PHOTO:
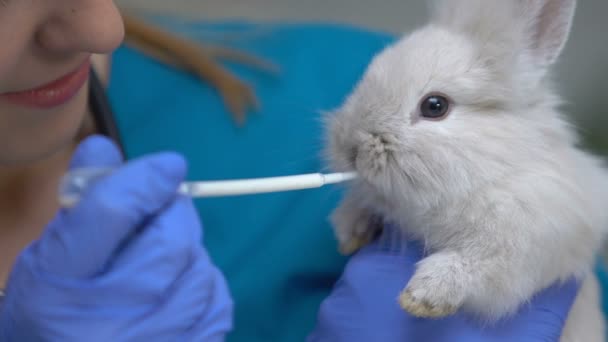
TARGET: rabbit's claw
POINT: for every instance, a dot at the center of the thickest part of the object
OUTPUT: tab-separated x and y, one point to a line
420	307
438	288
352	245
354	228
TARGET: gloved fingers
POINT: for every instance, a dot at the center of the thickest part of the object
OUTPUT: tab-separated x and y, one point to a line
139	279
204	290
81	240
547	312
96	151
183	223
543	317
217	320
393	241
196	303
366	294
559	297
160	252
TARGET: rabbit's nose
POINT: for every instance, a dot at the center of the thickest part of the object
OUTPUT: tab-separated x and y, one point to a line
373	153
376	145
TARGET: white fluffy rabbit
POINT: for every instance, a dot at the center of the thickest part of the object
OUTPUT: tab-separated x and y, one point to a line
456	136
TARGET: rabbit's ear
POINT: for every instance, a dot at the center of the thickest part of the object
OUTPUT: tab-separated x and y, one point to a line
548	26
538	27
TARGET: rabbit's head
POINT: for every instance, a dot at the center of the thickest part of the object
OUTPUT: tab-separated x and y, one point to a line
462	100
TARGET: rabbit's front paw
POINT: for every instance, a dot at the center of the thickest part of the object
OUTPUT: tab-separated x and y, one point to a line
438	288
354	228
419	306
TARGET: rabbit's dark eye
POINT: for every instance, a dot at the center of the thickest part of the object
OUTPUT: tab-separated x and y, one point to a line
434	107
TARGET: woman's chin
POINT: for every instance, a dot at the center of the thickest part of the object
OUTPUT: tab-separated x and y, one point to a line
26	157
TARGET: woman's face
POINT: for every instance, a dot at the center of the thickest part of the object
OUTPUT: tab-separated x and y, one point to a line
45	48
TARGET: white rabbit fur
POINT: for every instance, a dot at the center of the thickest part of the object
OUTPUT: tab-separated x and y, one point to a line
499	191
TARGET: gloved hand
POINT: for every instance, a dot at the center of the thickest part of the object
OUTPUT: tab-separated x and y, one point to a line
363	305
125	264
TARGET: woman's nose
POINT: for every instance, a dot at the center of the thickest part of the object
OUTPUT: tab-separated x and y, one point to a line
92	26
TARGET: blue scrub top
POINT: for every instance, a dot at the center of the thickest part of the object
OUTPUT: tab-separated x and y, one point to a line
276	250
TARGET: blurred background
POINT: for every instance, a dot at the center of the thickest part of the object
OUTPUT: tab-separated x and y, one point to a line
581	73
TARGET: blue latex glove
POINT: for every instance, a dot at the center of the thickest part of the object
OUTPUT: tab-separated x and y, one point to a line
125	264
363	305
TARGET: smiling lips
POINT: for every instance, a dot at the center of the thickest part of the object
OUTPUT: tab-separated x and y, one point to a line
52	94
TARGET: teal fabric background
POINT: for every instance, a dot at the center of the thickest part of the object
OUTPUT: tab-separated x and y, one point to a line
276	250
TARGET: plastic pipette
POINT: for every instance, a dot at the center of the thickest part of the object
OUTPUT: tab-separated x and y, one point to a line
76	182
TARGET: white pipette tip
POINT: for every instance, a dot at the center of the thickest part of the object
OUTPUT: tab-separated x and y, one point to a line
76	182
262	185
333	178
